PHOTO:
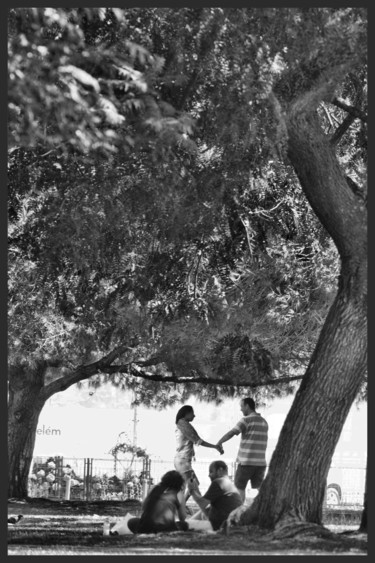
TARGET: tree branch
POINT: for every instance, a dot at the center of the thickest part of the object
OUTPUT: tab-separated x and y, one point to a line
103	366
353	111
82	372
341	129
132	369
321	176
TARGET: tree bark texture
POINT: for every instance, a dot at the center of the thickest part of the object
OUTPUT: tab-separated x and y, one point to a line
24	408
299	466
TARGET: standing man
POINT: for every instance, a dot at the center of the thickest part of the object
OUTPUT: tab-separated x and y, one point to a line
251	456
221	497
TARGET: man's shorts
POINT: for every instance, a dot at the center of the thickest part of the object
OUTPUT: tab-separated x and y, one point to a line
183	466
253	473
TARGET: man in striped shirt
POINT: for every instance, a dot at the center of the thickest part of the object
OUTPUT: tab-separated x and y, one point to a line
251	458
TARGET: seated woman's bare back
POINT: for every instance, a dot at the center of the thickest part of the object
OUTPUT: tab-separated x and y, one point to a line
163	516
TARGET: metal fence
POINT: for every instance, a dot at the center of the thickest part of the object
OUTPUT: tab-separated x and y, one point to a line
89	479
131	478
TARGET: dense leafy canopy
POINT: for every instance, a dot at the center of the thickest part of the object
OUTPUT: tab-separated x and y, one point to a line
148	204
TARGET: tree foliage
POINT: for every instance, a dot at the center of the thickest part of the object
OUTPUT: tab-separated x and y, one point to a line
176	233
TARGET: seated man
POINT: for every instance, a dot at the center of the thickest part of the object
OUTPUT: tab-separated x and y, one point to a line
221	498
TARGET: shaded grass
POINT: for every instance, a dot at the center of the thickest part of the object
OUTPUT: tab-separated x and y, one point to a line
81	536
65	527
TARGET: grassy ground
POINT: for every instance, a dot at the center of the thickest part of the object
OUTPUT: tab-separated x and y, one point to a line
76	528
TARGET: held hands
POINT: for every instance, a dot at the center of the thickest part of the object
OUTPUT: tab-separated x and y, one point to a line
220	449
192	485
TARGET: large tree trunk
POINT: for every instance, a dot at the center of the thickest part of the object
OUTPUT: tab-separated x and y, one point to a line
25	405
299	466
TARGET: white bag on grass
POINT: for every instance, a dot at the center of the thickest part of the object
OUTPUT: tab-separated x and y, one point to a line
121	526
199	521
202	525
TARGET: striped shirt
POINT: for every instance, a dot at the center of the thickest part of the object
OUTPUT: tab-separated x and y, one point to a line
254	436
186	437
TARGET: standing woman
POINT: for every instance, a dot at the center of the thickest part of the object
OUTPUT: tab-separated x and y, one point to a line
186	437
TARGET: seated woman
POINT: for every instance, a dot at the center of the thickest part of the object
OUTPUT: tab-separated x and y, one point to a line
161	507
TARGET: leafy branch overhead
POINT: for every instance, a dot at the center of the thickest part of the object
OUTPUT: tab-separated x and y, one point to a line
150	210
76	71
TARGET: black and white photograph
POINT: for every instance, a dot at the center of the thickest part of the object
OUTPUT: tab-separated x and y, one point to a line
187	280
